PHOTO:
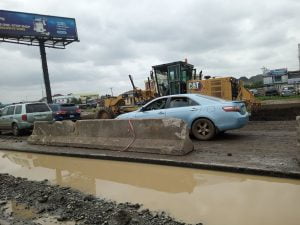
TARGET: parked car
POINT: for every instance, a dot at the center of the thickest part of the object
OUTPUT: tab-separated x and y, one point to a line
65	112
205	116
254	92
288	91
272	92
20	117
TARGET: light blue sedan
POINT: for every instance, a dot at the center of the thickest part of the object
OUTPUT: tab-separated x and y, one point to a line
205	116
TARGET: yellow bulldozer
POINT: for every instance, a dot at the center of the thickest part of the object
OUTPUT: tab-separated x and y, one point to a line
112	106
181	77
177	77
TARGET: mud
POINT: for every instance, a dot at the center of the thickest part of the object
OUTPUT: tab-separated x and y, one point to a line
262	147
65	204
276	112
189	195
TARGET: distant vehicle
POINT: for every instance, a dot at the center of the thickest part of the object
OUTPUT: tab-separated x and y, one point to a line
65	112
205	115
92	103
288	91
20	117
272	92
254	92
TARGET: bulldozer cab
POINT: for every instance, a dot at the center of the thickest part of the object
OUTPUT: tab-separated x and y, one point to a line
172	78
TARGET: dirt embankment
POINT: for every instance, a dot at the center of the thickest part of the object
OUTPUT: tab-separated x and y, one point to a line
42	200
276	112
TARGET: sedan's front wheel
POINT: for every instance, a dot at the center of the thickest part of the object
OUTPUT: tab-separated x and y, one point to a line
203	129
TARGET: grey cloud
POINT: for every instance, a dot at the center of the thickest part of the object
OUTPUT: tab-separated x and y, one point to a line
118	38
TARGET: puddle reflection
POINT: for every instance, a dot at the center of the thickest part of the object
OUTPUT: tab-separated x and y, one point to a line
190	195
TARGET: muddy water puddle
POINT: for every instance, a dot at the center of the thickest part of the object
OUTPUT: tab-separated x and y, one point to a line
190	195
22	212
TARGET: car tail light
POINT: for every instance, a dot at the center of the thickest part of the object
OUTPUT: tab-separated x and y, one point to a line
231	109
24	117
78	110
61	112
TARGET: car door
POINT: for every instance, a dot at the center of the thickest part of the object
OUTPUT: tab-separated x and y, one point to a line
155	109
183	108
3	124
6	120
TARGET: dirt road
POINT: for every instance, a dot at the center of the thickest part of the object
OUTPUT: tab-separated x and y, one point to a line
267	148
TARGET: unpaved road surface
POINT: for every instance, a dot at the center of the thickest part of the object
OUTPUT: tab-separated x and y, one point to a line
40	201
267	148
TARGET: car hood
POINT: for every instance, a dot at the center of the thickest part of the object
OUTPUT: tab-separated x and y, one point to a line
129	115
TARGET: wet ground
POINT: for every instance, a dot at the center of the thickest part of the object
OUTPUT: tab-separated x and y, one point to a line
188	195
262	147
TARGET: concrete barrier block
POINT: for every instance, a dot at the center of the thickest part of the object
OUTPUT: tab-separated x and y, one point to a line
161	136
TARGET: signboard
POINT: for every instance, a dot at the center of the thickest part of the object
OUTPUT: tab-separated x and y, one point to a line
24	25
278	72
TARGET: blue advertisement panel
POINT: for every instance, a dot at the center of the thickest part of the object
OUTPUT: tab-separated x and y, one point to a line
18	24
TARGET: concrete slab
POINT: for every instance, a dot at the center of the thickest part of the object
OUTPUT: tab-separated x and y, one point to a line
159	136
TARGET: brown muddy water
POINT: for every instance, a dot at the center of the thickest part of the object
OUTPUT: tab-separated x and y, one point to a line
189	195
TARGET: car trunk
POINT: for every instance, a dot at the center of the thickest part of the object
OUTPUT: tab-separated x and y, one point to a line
38	112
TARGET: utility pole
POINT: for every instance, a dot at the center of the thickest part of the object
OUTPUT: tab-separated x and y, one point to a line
45	71
111	91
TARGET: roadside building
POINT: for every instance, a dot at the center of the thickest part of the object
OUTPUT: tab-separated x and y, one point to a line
85	97
280	78
294	77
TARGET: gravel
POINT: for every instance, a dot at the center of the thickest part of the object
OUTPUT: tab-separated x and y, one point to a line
64	204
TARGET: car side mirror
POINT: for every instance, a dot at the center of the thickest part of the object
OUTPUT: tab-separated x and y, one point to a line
143	109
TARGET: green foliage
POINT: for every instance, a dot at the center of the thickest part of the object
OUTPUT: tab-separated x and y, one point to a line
263	98
257	84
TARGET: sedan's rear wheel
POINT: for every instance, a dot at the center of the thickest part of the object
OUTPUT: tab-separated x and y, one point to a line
203	129
15	129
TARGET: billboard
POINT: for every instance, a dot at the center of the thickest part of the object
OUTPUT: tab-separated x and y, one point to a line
20	25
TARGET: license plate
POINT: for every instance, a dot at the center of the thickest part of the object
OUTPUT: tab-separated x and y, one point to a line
71	116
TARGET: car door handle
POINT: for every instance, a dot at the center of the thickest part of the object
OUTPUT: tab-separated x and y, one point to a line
161	113
193	109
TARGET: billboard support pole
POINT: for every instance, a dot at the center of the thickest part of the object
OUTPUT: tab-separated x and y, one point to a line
45	71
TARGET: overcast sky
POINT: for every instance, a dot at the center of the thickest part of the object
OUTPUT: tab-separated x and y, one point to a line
119	37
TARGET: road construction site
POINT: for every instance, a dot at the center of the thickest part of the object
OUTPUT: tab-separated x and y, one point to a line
66	173
262	147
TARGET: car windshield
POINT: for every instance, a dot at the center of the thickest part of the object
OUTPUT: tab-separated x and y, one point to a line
37	107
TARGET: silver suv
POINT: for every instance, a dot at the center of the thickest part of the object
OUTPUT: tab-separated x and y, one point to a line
20	117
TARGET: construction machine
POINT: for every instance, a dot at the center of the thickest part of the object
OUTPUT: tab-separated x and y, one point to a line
181	77
112	106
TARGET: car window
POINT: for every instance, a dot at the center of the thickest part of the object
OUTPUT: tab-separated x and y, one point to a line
37	107
158	104
10	110
181	102
4	111
54	108
18	109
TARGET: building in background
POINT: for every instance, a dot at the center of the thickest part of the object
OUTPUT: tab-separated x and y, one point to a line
275	77
280	78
